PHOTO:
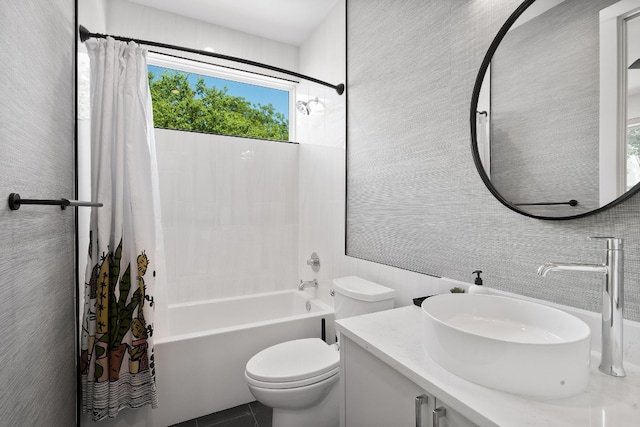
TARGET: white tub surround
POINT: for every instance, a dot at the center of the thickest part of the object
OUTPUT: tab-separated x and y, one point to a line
196	319
394	337
229	215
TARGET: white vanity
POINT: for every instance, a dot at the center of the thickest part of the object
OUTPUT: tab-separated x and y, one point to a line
378	395
386	375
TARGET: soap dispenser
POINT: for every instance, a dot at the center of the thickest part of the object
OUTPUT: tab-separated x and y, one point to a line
477	287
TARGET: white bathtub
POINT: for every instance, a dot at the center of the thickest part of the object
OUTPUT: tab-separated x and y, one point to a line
200	365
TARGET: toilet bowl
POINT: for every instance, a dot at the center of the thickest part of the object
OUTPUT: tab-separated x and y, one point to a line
299	378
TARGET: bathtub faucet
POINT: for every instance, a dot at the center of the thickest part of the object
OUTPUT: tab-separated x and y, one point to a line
307	284
612	301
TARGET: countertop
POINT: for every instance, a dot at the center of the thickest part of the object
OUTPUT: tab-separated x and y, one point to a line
395	337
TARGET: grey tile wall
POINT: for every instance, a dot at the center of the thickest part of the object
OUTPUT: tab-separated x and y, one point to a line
37	307
414	199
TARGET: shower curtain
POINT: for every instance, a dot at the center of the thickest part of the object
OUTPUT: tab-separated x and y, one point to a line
125	252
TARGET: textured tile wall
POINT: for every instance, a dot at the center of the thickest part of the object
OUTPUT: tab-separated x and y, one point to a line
37	326
414	198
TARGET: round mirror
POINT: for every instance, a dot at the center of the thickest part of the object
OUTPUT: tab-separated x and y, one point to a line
555	111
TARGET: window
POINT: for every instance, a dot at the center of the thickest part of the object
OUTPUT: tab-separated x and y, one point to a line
197	97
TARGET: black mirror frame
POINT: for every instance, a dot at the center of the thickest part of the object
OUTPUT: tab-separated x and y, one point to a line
474	141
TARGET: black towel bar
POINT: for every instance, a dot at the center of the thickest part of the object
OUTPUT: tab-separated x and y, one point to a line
15	202
570	203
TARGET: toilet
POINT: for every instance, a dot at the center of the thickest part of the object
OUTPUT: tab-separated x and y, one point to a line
299	378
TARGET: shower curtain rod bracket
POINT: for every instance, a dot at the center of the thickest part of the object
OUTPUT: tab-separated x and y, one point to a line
85	35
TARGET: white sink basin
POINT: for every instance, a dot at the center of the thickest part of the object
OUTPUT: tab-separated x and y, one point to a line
508	344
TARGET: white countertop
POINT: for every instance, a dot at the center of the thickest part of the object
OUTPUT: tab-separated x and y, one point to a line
395	337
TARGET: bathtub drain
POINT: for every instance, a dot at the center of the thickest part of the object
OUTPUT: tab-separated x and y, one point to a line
308	305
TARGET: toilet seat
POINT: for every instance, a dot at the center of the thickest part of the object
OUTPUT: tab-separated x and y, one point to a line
291	384
293	364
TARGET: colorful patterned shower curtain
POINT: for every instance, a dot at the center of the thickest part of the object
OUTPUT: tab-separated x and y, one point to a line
117	360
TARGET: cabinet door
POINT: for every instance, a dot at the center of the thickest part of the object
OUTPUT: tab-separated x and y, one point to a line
376	395
449	417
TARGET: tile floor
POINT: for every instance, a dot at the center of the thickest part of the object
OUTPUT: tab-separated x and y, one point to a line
254	414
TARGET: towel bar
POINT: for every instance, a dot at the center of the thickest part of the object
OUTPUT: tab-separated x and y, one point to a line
15	202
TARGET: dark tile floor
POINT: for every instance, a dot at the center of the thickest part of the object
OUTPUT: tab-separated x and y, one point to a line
254	414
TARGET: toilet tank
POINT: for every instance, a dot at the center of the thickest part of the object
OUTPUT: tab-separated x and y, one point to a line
355	296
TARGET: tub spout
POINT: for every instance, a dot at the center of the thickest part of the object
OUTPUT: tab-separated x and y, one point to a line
612	302
307	284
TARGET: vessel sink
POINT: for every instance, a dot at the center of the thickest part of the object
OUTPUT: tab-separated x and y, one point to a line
508	344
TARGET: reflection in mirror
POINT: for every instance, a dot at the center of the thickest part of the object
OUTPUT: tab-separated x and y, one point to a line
633	101
543	146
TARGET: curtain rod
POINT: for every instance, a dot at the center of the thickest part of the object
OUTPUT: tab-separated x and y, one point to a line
228	67
85	35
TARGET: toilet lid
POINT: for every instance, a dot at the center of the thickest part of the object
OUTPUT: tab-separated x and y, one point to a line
293	361
328	377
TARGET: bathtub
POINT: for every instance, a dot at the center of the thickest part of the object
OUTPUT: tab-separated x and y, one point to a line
200	365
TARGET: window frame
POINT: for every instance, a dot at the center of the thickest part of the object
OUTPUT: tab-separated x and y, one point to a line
210	70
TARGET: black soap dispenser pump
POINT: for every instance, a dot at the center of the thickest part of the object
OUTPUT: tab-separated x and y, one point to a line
477	287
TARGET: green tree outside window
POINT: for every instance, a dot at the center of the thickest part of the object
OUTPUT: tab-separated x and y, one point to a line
181	105
633	141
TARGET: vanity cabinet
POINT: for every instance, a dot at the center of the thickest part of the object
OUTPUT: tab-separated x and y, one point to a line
376	395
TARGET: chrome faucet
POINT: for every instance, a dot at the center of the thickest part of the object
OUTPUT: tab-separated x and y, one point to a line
307	284
612	301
